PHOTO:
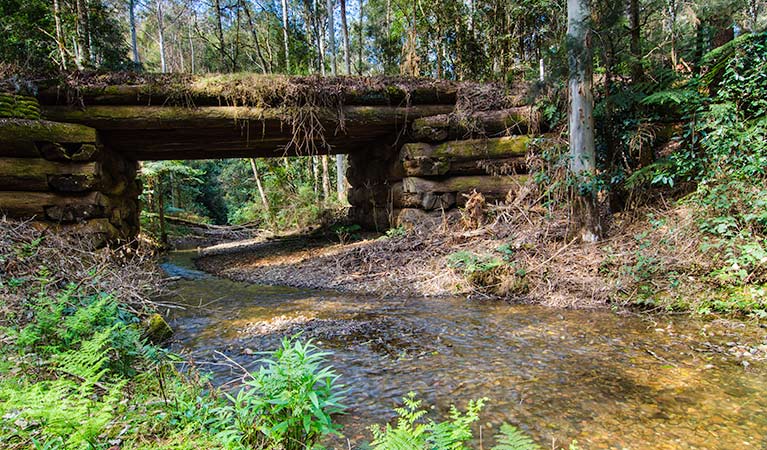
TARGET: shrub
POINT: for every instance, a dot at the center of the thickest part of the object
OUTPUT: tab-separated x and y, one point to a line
289	403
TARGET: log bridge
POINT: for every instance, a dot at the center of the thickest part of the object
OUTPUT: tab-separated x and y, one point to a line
69	159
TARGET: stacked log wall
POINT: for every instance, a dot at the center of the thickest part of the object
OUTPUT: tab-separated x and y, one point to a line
436	174
59	175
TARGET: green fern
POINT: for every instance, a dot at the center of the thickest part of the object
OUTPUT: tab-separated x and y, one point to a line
512	438
75	407
412	433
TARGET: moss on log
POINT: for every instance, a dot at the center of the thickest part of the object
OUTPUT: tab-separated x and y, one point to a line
246	89
512	121
471	149
156	329
32	174
16	130
495	185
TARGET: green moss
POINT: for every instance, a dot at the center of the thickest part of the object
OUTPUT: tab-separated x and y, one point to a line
20	130
157	329
483	148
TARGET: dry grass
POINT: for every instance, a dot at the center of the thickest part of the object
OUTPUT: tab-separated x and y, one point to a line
44	260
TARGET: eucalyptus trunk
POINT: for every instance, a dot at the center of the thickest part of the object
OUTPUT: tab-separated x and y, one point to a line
220	35
345	30
332	38
133	40
82	31
161	36
325	178
581	119
359	54
59	35
285	40
260	186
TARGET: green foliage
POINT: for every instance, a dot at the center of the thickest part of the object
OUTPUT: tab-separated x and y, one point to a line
396	232
74	408
347	233
289	403
471	263
414	432
512	438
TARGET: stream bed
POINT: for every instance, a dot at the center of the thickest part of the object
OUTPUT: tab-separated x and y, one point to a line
606	379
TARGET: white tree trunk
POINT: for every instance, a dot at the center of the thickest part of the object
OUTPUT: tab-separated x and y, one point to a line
285	34
332	37
133	40
341	177
325	178
581	119
345	30
261	192
60	34
161	36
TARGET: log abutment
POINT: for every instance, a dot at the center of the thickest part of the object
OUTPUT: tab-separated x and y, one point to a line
61	176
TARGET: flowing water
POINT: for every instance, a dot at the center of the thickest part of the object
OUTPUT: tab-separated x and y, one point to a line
607	380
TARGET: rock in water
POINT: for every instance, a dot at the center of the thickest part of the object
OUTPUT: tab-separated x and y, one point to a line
157	329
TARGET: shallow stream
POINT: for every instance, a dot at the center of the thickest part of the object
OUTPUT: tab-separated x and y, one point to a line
606	379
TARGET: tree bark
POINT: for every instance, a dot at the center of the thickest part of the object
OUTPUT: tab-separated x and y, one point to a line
161	36
81	35
316	176
341	177
325	178
261	192
332	37
345	30
285	39
359	55
161	210
59	35
581	119
265	68
191	47
220	34
133	40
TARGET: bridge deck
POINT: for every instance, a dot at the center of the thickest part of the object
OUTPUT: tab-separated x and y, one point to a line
184	117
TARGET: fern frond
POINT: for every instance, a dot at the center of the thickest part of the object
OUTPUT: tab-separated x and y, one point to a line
512	438
89	361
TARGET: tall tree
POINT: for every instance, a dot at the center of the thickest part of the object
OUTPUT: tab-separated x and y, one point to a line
345	30
220	35
257	177
161	36
285	39
581	118
360	45
133	40
59	35
332	37
82	35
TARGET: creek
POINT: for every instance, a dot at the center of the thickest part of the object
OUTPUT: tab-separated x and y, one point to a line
607	379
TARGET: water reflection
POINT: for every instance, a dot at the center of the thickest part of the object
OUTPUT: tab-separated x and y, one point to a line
607	380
